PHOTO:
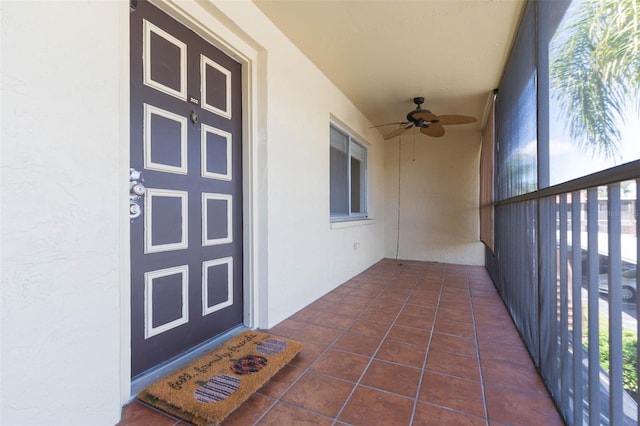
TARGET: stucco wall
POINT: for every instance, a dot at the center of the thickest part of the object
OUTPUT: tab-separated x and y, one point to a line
439	192
60	232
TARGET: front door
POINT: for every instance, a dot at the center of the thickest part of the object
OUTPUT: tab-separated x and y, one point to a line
186	189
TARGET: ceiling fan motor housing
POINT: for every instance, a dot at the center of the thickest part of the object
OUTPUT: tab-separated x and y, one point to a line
411	115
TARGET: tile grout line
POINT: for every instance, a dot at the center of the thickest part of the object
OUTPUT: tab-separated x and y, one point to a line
475	340
157	410
424	362
342	333
297	407
307	369
371	359
279	399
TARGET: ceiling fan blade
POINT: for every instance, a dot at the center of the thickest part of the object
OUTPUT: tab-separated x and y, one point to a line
426	116
434	130
389	124
397	132
455	119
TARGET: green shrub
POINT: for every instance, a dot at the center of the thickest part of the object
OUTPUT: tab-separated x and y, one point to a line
629	359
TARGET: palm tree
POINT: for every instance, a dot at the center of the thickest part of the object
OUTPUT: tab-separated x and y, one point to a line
595	71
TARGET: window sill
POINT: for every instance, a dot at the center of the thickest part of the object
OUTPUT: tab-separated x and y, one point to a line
347	223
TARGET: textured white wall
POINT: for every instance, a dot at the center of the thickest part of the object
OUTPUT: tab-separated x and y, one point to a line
439	195
60	195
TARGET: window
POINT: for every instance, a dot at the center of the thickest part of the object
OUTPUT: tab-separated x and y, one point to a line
593	76
515	114
348	177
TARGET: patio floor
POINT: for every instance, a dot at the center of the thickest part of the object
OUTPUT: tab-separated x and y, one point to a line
402	343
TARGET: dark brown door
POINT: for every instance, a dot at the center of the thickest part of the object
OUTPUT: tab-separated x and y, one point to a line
186	190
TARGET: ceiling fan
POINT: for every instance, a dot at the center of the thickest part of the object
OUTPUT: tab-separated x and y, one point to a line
429	123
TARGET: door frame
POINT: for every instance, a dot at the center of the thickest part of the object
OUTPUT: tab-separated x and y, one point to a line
252	58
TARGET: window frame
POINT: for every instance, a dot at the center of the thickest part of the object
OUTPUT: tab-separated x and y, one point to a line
364	173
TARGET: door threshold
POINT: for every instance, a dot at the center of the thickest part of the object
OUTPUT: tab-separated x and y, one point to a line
139	383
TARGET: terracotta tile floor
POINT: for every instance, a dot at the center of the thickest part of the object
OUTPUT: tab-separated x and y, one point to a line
413	343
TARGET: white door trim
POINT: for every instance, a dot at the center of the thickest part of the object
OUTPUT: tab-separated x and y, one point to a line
203	22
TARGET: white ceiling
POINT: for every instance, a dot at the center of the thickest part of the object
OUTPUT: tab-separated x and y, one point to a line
382	54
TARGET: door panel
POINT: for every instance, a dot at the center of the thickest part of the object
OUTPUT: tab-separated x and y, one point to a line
186	244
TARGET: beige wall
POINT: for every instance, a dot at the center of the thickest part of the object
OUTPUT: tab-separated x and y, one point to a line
439	193
306	257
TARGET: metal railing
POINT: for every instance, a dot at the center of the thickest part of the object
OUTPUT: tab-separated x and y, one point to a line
563	275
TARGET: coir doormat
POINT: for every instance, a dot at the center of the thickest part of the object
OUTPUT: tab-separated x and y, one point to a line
210	388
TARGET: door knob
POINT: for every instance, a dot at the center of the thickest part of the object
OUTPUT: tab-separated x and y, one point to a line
138	189
134	210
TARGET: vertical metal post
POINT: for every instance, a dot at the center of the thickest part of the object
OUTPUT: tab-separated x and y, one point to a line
592	303
564	307
548	294
636	214
576	263
348	175
614	231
